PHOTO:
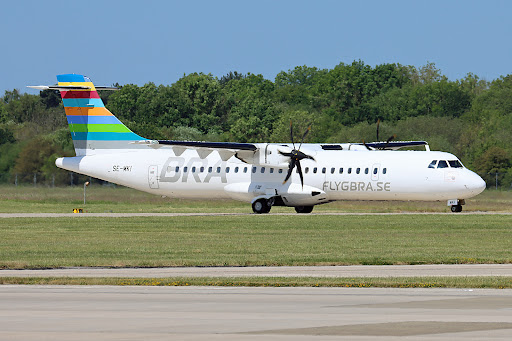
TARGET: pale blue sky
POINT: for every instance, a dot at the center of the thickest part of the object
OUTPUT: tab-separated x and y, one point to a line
159	41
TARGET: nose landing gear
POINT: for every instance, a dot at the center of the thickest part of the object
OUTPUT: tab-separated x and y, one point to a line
456	205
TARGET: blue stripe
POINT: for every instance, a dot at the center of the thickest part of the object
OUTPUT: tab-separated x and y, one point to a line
106	136
70	77
83	102
76	119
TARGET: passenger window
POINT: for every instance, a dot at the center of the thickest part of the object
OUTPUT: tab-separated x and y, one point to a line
193	169
442	164
262	170
227	169
455	164
432	164
280	171
236	169
323	170
314	170
349	171
254	169
177	169
332	170
185	169
366	171
375	170
202	169
341	170
384	171
218	169
245	169
306	170
271	170
358	170
210	169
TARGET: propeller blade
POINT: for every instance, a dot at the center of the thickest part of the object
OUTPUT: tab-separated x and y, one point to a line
378	123
285	153
290	169
304	136
291	133
364	143
391	138
299	169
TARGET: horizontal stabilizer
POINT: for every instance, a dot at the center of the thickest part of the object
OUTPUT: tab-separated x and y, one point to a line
70	87
59	87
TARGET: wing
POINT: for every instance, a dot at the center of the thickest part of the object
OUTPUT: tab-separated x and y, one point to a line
395	145
226	150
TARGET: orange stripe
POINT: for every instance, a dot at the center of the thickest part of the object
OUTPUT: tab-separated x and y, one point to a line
96	111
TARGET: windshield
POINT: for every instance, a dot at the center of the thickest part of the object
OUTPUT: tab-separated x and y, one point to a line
455	164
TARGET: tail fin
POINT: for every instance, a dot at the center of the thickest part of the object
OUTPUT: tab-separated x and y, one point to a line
93	128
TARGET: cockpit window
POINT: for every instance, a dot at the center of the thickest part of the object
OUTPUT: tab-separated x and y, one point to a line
442	164
432	164
455	163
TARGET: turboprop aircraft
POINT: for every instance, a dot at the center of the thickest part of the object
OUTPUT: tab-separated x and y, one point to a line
264	174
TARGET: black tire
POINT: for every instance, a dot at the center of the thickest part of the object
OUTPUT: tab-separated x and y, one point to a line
303	209
456	208
261	206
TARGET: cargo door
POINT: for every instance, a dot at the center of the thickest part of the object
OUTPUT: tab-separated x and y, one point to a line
153	177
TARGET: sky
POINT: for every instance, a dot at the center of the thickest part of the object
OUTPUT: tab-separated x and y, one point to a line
160	41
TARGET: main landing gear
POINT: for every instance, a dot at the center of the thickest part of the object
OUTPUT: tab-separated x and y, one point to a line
261	206
303	209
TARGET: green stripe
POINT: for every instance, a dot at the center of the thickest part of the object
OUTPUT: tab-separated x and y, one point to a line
99	128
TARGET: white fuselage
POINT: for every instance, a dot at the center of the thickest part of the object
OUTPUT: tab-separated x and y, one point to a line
333	175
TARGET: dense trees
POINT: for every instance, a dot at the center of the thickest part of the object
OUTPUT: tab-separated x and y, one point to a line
469	117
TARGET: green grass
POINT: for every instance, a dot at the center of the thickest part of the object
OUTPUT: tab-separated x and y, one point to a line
120	199
408	282
254	240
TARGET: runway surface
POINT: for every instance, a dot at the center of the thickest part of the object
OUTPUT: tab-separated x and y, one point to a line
127	215
437	270
221	313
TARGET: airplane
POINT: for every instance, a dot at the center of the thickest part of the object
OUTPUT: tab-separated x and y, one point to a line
264	174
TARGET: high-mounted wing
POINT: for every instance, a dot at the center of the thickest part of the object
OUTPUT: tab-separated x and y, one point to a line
394	145
225	149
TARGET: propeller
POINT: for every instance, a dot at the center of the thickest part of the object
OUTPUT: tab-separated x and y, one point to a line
295	156
391	138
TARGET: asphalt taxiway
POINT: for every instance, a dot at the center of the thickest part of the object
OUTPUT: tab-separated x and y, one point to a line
128	215
430	270
221	313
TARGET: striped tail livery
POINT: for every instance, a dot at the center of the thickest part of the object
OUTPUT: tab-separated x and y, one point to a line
93	127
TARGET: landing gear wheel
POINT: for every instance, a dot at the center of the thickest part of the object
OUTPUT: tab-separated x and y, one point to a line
303	209
456	208
261	206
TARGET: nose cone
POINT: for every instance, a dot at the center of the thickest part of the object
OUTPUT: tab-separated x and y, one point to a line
474	183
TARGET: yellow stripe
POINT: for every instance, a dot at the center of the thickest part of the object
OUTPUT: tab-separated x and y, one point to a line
96	111
89	84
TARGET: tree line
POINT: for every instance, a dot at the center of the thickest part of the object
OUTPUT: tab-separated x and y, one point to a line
469	117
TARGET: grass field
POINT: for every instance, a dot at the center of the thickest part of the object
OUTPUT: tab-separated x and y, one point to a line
120	199
254	240
412	282
248	239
